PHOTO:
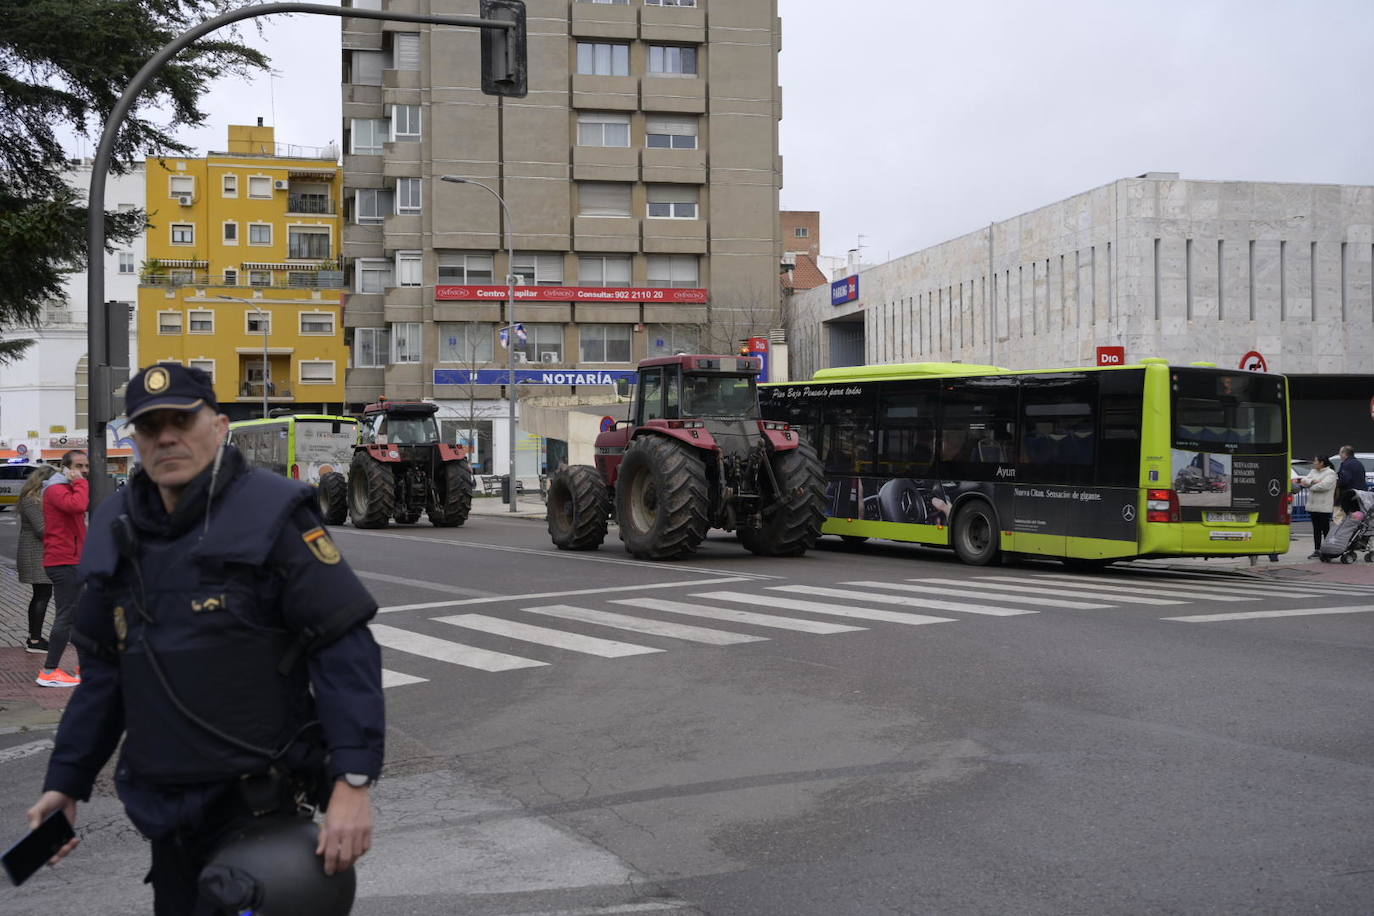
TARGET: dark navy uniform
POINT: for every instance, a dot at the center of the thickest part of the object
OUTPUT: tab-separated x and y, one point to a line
227	642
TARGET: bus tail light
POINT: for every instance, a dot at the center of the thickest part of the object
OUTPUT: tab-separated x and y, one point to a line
1286	509
1162	506
295	472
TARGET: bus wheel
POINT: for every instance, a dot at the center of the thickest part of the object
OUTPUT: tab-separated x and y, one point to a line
975	534
334	498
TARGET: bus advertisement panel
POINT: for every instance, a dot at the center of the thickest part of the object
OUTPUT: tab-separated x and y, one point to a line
1080	464
304	447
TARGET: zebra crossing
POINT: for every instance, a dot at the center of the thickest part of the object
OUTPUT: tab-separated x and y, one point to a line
738	616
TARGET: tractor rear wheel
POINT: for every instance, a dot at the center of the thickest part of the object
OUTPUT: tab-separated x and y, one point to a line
579	508
371	492
792	518
661	499
454	495
333	493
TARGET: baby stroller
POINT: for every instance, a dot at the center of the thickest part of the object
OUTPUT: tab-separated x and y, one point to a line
1355	533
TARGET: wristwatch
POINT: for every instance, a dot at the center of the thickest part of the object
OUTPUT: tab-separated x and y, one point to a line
358	780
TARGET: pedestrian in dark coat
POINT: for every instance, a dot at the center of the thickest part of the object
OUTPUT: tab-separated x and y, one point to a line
29	558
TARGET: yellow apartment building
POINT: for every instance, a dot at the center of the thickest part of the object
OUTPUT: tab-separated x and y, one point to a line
243	274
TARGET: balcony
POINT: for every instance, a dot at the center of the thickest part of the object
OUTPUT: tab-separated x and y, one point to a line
310	203
300	278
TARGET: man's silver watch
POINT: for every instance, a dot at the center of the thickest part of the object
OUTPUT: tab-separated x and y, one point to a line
357	780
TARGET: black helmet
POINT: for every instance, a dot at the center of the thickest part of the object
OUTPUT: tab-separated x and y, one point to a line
269	867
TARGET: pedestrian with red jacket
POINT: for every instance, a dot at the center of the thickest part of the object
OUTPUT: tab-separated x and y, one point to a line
66	499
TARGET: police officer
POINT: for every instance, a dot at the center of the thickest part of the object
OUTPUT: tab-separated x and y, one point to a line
224	638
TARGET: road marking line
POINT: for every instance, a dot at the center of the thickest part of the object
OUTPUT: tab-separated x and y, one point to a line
616	910
1256	615
445	651
902	600
430	586
559	639
816	607
815	627
645	625
1172	588
397	679
1013	585
20	751
460	602
975	609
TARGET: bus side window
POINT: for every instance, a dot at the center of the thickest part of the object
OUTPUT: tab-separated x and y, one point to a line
977	425
1120	406
906	431
1058	429
847	441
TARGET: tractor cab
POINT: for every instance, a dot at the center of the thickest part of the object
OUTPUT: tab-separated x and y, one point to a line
693	387
400	423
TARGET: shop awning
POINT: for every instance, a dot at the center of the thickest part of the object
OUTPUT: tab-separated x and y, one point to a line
268	265
312	173
183	262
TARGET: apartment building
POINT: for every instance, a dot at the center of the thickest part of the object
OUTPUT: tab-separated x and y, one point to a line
242	277
641	178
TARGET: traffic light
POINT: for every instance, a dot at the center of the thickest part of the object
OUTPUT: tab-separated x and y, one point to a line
505	53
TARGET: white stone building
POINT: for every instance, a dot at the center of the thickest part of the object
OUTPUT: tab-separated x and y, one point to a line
1187	270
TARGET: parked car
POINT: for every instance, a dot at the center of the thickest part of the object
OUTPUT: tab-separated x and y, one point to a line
1301	468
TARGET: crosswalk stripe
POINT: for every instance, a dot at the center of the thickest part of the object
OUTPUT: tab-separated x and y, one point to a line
816	607
644	625
1219	591
1256	615
903	600
445	651
975	609
397	679
559	639
1008	583
1116	587
1248	581
815	627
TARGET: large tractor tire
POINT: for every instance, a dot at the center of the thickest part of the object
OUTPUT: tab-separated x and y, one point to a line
453	490
661	499
975	535
579	508
792	519
333	493
371	492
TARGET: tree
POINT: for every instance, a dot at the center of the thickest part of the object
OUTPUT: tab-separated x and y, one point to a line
63	65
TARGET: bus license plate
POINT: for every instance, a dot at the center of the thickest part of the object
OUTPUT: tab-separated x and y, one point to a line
1230	535
1228	517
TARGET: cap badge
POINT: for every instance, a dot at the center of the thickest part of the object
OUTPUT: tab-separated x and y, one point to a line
156	380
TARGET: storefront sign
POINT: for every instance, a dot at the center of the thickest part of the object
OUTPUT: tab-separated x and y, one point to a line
846	290
67	442
1111	356
604	377
569	294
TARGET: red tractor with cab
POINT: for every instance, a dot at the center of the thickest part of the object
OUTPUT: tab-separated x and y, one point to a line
693	455
401	469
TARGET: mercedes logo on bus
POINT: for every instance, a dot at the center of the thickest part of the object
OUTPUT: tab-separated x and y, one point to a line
1128	512
1275	488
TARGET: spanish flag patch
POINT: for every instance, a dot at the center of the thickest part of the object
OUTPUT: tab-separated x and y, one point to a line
317	539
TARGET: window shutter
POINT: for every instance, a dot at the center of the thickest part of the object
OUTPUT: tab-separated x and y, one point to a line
670	124
406	46
367	67
672	194
604	198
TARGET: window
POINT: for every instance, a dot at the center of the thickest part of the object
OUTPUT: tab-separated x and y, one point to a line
464	269
405	121
1058	429
373	205
668	339
258	322
317	323
182	184
977	420
200	321
405	50
605	343
126	262
603	59
906	436
465	342
370	346
231	277
374	275
231	233
169	322
543	343
317	371
229	186
603	270
1120	394
307	242
204	365
182	277
673	270
650	394
405	342
666	3
538	269
801	232
597	128
260	187
673	201
603	198
407	195
367	136
259	278
367	68
409	268
671	132
667	60
260	233
183	234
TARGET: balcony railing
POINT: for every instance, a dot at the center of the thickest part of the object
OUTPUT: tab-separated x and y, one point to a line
293	279
275	393
309	203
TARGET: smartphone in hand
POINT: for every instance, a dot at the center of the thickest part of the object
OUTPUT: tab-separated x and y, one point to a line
24	858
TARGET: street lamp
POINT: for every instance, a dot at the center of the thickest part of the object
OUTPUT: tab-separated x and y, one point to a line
510	323
264	318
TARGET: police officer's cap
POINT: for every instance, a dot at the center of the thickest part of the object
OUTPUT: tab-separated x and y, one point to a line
169	386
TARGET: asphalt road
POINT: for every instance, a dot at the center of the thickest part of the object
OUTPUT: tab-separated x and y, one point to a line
872	730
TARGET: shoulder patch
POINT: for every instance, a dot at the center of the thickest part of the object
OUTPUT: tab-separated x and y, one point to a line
317	539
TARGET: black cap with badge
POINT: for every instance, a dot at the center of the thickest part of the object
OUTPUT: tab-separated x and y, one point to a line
169	386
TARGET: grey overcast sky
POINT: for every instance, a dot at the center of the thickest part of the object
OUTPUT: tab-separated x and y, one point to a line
914	122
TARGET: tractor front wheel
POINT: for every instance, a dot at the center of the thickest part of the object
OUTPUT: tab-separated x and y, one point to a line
371	492
661	499
579	508
453	495
792	518
333	492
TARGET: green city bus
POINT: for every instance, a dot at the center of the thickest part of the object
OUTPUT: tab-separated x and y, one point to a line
1087	465
303	447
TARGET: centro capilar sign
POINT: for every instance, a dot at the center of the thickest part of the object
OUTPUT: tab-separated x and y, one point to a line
846	290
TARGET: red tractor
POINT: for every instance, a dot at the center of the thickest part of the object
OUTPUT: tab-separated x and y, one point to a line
693	455
400	469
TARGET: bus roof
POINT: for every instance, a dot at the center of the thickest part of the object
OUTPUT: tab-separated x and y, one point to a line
239	424
968	370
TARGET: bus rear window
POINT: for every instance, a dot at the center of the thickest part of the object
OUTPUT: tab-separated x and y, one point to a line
1235	412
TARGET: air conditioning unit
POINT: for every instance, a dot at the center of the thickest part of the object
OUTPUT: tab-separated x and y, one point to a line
548	357
521	357
281	184
185	199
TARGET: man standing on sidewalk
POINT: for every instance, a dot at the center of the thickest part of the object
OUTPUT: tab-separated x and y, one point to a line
66	498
